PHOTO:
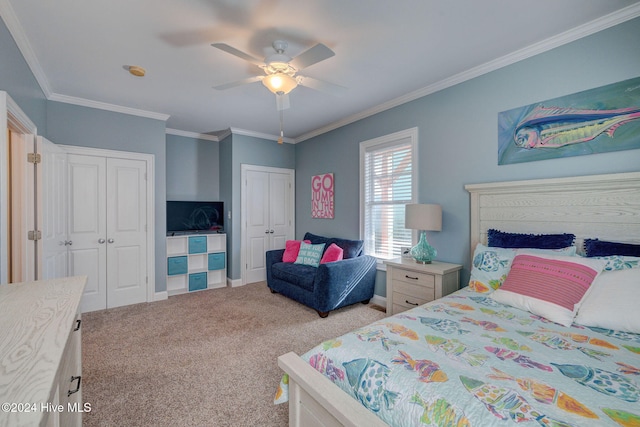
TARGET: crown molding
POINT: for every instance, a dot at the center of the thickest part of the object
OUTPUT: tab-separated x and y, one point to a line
607	21
193	135
237	131
106	106
15	28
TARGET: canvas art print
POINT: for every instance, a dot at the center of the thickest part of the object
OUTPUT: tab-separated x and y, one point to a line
322	196
594	121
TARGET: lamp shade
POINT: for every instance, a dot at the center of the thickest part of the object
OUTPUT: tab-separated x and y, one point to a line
280	83
423	217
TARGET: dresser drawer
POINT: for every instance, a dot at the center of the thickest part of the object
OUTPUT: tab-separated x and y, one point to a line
413	277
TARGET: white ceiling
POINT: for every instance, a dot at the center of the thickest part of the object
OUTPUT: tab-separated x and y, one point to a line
386	52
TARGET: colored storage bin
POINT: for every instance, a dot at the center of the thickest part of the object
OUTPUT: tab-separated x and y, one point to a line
217	261
176	265
197	281
197	244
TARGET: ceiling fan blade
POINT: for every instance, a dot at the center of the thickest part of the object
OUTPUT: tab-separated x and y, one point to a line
239	83
233	51
322	86
311	56
282	102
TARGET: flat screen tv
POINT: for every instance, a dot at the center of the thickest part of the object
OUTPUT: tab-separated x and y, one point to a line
194	217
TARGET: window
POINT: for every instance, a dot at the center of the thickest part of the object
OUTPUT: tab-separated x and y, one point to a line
387	184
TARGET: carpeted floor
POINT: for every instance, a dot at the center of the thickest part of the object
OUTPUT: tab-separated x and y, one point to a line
201	359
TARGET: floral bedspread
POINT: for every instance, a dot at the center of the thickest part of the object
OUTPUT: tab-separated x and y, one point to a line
467	360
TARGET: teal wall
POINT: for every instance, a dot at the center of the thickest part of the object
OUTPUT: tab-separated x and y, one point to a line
89	127
457	141
458	138
235	151
192	169
17	80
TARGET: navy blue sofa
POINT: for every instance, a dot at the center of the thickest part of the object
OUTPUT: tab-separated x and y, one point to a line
328	286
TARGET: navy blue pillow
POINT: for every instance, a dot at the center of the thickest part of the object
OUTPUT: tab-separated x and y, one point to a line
351	248
501	239
595	247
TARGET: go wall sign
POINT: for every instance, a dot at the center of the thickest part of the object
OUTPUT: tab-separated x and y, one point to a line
322	196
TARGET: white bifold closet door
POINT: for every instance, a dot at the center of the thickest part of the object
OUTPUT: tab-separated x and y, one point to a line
268	200
107	229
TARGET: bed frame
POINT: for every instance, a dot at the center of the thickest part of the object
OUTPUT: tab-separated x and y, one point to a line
597	206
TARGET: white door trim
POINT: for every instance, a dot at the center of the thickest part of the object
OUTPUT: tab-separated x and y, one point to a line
150	172
11	117
244	168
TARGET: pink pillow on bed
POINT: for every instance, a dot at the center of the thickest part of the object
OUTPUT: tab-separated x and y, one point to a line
549	286
291	250
332	254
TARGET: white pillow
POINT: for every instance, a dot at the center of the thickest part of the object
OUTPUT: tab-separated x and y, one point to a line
551	286
491	265
613	302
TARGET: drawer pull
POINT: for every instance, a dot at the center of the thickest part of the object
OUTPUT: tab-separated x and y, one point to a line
70	392
411	303
409	277
78	322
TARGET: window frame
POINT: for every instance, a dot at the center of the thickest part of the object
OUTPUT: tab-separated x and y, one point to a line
388	140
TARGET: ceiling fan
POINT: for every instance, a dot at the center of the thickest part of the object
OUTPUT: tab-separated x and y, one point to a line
280	71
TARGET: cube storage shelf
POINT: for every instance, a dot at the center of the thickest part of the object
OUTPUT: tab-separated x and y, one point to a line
196	262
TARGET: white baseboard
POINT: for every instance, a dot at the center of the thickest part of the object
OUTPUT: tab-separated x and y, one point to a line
234	282
378	300
159	296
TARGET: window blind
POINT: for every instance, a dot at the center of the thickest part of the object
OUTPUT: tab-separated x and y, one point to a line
388	180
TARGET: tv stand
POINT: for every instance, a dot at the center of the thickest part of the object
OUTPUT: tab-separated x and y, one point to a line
196	261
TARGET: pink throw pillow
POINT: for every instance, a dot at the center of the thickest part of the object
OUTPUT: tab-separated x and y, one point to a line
549	286
332	254
291	250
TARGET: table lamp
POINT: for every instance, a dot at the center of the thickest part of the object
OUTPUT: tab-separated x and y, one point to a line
423	217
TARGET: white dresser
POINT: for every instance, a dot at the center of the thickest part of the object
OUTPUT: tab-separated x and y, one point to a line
40	353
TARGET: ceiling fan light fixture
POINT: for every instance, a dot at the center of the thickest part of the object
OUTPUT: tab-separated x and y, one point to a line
280	83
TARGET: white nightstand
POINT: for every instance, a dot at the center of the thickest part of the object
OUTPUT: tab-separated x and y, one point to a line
410	284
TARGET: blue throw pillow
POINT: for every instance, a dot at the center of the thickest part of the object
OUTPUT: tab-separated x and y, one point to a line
310	254
595	247
351	248
501	239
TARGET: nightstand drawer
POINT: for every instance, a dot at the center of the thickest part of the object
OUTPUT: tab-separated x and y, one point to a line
414	278
408	301
423	292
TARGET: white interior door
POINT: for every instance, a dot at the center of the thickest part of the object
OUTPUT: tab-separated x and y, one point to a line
53	210
280	227
22	211
256	218
126	232
267	210
88	227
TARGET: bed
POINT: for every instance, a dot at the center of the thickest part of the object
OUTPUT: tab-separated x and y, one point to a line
488	354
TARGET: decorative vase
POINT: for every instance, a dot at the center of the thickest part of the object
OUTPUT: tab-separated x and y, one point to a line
423	252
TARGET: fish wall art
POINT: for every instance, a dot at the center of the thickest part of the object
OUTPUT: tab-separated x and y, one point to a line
593	121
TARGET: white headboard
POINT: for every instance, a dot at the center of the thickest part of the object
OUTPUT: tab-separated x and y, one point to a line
606	207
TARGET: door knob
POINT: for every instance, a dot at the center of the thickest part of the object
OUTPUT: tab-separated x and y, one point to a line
270	231
101	241
68	242
266	231
110	240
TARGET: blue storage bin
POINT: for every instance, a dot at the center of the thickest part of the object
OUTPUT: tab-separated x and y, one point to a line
197	244
217	261
197	281
177	265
